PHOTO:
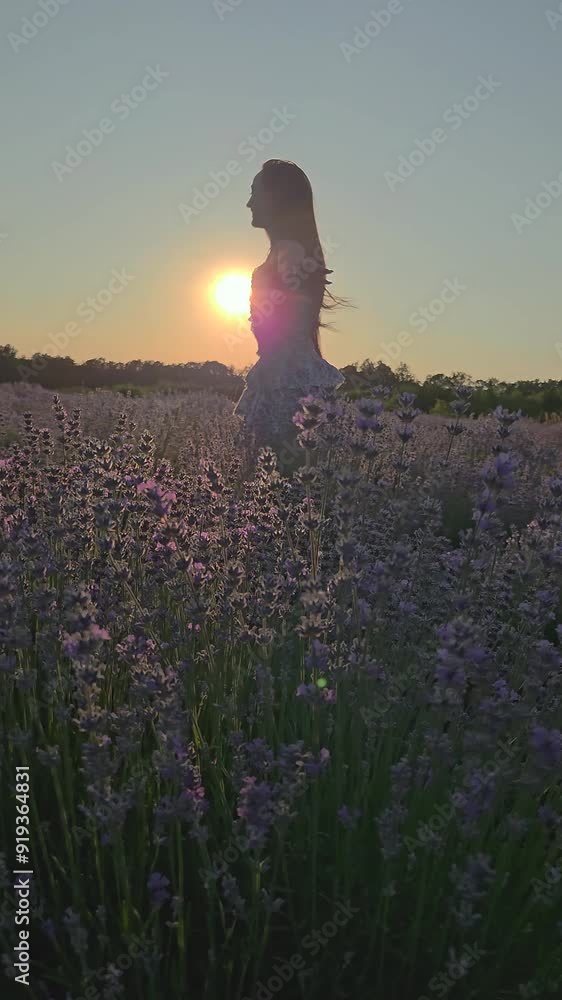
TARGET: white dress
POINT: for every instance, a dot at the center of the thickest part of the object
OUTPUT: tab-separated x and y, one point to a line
289	366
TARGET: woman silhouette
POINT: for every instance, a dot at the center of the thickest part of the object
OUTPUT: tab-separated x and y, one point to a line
288	292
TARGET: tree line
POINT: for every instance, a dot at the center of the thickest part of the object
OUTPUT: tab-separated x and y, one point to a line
535	398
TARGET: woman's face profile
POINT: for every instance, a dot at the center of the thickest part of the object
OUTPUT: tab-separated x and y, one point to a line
259	203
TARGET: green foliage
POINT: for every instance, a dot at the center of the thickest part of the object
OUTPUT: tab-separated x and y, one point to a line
536	399
457	510
129	390
441	408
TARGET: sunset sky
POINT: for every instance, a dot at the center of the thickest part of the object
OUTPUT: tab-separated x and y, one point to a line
209	76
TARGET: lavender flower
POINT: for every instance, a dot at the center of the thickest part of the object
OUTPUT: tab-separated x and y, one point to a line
349	818
158	889
548	746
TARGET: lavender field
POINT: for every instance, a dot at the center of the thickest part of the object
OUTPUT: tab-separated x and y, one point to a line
289	736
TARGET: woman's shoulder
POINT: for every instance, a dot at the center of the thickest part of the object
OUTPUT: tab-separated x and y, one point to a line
289	255
283	260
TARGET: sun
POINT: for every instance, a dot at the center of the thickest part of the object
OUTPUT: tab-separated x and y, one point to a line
231	293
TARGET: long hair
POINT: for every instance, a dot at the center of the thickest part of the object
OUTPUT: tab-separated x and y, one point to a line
295	220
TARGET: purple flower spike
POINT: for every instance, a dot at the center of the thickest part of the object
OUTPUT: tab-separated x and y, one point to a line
349	818
158	889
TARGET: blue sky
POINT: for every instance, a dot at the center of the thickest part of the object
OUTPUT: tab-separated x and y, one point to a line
357	112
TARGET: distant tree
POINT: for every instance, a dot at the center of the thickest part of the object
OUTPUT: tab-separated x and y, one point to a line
356	380
383	375
439	380
460	378
404	373
8	363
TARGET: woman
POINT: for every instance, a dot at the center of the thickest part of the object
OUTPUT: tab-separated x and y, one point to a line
288	292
